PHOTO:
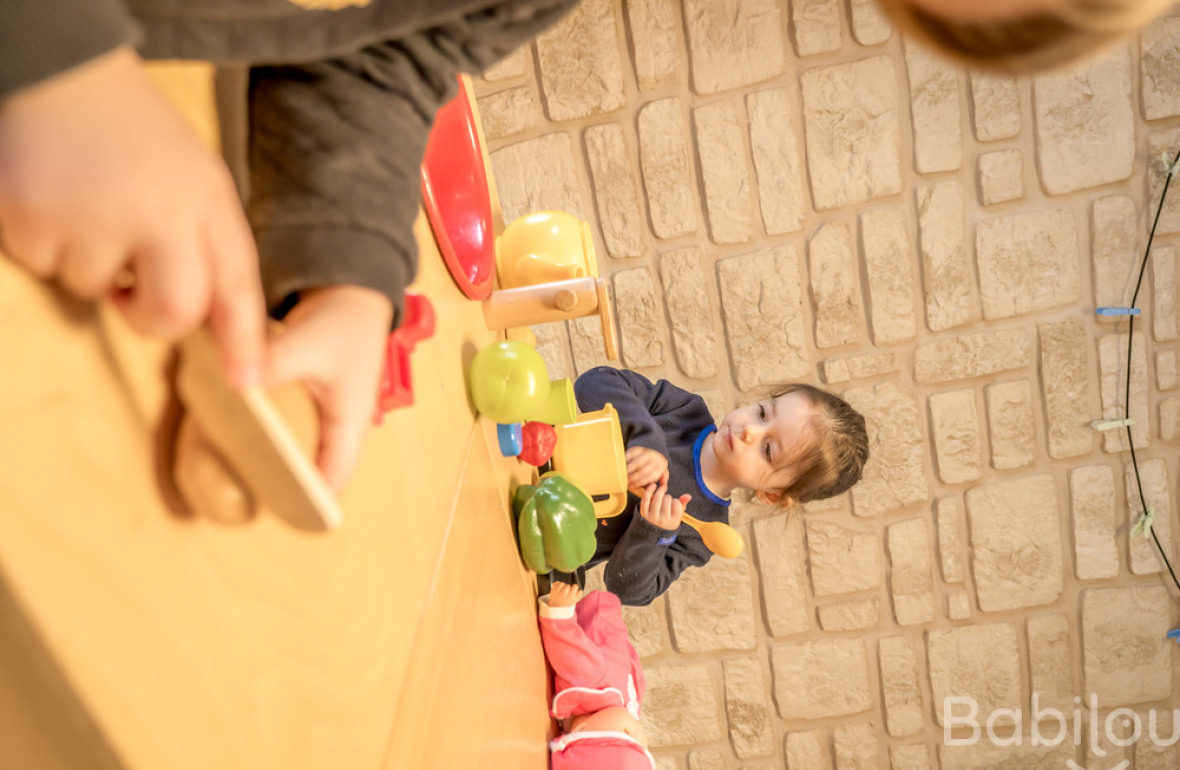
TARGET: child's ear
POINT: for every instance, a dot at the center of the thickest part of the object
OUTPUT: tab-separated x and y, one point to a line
770	497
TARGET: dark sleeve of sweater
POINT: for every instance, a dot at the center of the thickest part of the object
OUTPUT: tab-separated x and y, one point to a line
640	569
335	148
40	38
638	401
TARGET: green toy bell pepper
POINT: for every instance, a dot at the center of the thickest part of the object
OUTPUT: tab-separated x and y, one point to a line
556	523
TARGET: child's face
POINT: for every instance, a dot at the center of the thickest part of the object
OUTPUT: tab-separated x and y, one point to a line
754	445
614	719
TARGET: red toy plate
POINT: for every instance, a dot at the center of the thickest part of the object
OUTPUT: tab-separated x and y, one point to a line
455	195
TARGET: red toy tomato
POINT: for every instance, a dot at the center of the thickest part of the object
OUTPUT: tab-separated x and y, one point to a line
539	440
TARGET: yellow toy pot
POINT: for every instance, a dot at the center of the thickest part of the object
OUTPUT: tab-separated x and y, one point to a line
589	453
545	247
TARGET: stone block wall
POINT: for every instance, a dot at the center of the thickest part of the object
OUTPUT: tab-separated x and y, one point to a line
788	191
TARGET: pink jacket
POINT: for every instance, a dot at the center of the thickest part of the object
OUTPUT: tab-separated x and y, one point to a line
594	664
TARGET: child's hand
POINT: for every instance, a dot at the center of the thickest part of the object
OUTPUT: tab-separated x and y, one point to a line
335	344
103	185
645	466
563	594
660	508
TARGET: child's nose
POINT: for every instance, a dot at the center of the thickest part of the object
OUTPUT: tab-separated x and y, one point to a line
750	433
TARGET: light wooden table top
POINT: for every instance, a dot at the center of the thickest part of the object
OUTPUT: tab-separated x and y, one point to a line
406	639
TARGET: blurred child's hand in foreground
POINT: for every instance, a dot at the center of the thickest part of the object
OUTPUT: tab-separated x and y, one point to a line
644	466
334	343
660	508
105	189
563	594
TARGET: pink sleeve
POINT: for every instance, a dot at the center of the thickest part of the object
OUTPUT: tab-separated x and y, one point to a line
574	657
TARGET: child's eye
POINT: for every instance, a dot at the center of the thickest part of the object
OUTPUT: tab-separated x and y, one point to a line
761	412
766	451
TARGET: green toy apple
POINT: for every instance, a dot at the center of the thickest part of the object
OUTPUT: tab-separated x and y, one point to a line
509	381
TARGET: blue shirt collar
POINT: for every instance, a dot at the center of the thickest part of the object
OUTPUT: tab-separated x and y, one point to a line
696	466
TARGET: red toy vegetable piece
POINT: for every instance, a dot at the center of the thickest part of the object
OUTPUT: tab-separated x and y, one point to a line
539	440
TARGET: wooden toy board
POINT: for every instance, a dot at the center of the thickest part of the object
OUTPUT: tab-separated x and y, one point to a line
405	639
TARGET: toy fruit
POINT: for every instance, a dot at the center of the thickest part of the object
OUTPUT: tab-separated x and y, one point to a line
509	381
556	525
538	441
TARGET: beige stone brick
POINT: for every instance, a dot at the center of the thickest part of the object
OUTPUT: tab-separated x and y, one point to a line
1001	176
949	517
1092	499
512	66
835	288
895	474
1016	541
979	661
1158	44
751	723
706	759
1085	127
995	102
641	319
1051	661
1066	388
645	626
586	343
538	175
958	605
682	705
948	276
667	168
905	709
1170	418
509	112
972	355
1027	262
694	335
889	258
620	213
860	367
1161	143
724	173
733	43
852	133
934	108
657	23
1011	424
842	559
954	426
821	678
911	574
870	25
912	757
782	558
808	750
1163	285
580	63
1153	474
1114	249
856	747
713	609
774	143
986	756
816	26
1125	657
850	616
552	345
762	299
1165	369
1112	364
666	762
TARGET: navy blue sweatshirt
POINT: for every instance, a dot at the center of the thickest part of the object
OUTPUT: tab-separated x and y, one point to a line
675	423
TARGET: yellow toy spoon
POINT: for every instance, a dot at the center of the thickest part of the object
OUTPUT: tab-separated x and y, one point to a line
719	538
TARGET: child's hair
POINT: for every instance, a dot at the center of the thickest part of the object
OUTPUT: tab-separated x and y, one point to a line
835	457
1038	41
